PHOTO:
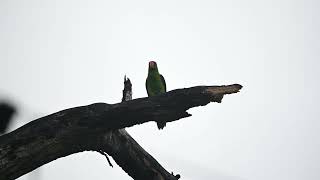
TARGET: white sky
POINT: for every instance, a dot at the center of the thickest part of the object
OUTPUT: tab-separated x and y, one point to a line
60	54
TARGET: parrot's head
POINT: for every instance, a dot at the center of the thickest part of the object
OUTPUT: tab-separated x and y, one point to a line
153	65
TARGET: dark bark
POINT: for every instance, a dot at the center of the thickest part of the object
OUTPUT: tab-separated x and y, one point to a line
81	128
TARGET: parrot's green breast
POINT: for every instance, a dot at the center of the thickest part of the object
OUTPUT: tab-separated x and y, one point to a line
155	85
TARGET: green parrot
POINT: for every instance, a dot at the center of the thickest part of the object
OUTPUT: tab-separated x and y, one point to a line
155	85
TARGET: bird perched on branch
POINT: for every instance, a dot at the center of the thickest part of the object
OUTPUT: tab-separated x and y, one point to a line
155	85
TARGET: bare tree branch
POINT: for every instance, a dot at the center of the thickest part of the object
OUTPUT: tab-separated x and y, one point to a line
79	129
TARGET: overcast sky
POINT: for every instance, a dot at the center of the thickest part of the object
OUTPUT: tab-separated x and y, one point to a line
60	54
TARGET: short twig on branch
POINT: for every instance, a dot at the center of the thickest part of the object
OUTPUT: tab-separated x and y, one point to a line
105	155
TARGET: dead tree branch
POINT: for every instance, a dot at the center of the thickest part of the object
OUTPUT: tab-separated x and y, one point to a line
81	128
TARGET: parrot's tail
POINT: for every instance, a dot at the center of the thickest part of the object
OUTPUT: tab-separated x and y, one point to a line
161	125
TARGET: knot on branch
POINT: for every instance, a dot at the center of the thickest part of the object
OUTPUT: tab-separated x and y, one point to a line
177	176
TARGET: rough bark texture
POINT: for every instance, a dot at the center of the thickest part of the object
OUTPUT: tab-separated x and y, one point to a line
81	128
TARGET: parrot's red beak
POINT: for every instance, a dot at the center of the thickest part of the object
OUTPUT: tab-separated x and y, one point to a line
152	64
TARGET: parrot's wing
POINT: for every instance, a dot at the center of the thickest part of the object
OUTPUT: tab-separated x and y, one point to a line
163	82
147	86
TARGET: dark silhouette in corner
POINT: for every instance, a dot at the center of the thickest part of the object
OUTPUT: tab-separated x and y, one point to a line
6	113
